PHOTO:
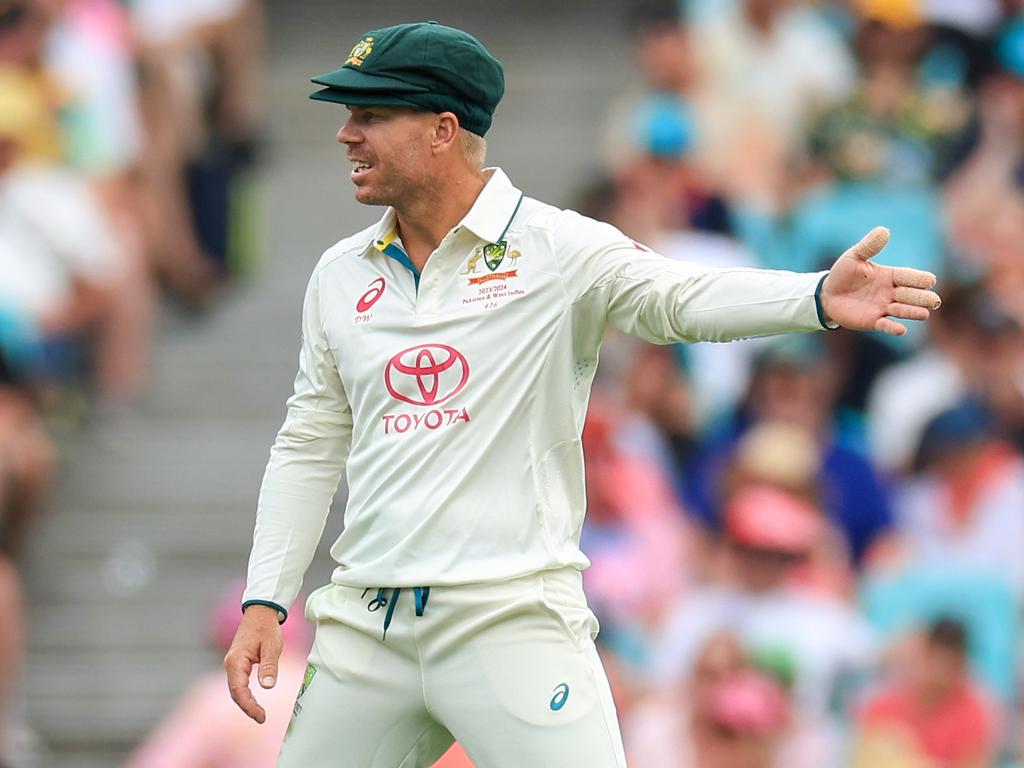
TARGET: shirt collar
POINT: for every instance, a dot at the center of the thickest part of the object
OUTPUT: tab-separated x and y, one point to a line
494	209
489	218
384	233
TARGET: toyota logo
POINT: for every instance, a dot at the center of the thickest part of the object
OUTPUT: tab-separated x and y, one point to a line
428	374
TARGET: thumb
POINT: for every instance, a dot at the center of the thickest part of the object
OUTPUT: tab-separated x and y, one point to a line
270	652
870	245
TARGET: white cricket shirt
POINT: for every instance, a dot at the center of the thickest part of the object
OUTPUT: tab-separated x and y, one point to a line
457	399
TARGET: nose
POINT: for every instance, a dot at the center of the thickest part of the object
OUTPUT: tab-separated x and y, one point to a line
348	134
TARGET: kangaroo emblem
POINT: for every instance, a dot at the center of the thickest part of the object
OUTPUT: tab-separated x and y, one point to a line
474	262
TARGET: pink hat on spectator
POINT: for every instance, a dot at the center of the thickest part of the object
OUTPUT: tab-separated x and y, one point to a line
225	618
751	703
764	517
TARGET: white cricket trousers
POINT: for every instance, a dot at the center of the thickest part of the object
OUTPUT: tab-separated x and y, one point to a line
509	669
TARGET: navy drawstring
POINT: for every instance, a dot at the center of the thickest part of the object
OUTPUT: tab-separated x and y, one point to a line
381	600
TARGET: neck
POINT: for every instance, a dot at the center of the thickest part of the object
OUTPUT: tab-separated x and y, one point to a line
424	221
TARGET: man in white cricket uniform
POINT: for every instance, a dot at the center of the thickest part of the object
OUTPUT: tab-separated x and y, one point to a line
447	356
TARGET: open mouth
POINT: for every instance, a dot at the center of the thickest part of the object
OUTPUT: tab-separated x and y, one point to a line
360	168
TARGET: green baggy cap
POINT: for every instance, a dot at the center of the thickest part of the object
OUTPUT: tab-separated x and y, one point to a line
425	65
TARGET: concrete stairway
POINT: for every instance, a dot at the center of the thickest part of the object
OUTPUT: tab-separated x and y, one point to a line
154	511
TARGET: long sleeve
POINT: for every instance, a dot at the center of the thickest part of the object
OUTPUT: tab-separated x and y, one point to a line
612	278
306	463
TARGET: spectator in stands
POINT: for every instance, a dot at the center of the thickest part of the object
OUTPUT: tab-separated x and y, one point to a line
904	398
204	132
898	598
963	509
875	157
786	456
206	730
90	55
764	69
659	730
61	267
984	201
929	711
816	639
662	49
794	382
727	714
977	351
651	135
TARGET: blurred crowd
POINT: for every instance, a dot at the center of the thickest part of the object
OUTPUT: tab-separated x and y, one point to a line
127	133
807	550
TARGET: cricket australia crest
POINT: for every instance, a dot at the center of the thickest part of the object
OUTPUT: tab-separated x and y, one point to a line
494	254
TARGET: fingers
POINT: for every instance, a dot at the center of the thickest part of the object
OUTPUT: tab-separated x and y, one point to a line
257	643
916	296
891	327
870	245
270	652
907	311
238	669
914	278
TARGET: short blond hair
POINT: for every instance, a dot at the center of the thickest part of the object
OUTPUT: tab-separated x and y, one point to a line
474	149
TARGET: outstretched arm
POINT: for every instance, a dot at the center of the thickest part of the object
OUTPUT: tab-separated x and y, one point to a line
865	296
610	279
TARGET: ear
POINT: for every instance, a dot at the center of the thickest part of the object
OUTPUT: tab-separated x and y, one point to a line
446	133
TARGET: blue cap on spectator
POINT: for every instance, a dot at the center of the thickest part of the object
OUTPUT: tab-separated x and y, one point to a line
1010	48
664	126
961	426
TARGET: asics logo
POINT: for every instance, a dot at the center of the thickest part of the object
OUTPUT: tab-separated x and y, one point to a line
369	298
560	697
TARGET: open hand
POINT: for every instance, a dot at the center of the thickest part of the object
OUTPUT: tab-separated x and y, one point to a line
864	296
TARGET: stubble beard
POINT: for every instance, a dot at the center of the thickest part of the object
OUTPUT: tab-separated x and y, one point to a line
401	194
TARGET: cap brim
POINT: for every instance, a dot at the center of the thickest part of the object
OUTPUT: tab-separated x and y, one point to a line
350	79
363	98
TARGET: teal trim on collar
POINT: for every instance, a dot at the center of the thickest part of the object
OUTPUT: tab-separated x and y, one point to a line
278	608
510	218
489	215
818	308
396	253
